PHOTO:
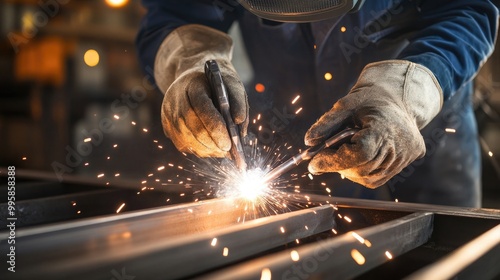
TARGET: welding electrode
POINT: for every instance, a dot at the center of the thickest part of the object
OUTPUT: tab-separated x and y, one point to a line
221	101
334	141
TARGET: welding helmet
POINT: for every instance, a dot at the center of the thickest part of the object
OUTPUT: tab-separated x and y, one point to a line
300	10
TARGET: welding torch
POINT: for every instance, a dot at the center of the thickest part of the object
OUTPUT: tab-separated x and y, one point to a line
221	101
333	142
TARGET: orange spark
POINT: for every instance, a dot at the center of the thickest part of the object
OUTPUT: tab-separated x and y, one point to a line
358	257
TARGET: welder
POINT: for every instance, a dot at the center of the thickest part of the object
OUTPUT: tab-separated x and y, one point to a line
399	70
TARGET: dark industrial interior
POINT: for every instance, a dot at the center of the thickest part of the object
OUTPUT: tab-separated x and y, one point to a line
80	121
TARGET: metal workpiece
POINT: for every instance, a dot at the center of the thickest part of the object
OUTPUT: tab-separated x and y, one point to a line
53	251
344	257
162	244
492	215
162	221
316	237
468	261
64	250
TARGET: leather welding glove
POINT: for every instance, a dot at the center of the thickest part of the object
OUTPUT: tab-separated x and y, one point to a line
391	101
188	114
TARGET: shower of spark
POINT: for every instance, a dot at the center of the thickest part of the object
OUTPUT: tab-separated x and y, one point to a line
247	185
221	178
204	178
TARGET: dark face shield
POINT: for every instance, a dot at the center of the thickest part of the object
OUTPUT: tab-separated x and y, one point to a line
300	10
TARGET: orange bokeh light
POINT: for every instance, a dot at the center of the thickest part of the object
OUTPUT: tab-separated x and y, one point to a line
116	3
260	88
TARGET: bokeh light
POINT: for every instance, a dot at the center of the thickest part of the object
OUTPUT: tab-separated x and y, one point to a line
116	3
328	76
91	57
260	88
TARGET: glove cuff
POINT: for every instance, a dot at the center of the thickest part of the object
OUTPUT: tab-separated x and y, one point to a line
414	84
188	47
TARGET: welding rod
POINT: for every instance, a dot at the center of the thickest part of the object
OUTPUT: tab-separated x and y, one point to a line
221	101
338	139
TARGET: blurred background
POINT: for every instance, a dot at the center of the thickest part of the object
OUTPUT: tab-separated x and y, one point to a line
74	98
75	101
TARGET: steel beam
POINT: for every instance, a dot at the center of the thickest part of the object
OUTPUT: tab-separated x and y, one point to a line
59	208
343	257
343	202
481	256
171	242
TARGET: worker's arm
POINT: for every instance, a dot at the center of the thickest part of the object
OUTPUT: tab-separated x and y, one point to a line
393	100
455	39
176	38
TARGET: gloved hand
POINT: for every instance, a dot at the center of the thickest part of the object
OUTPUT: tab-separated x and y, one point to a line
188	114
391	101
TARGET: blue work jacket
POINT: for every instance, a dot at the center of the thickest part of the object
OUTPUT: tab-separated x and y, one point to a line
321	61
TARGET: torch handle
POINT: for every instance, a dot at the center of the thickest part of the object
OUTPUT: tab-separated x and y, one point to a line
221	101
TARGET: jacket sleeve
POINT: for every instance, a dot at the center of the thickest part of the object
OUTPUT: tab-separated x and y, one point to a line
455	39
163	16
